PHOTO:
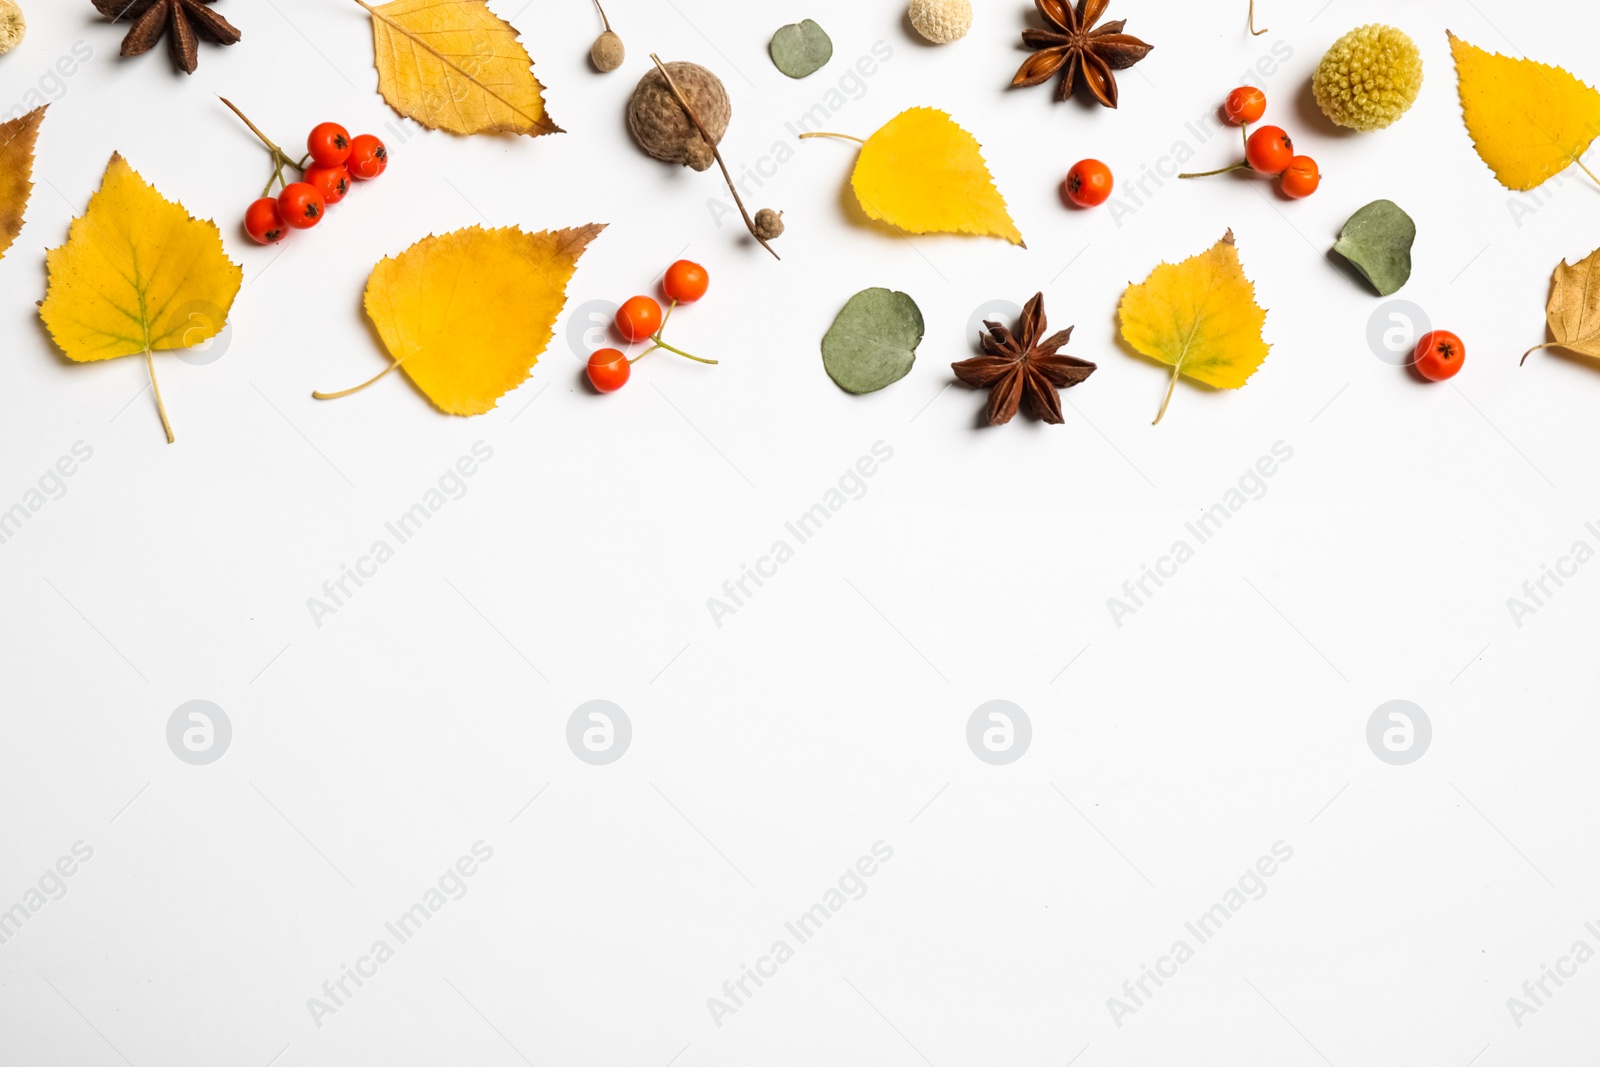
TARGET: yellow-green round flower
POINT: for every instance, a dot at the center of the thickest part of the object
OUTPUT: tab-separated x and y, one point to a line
1369	78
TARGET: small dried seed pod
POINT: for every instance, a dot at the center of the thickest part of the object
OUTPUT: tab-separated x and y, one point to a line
661	127
769	224
607	54
697	155
12	26
941	21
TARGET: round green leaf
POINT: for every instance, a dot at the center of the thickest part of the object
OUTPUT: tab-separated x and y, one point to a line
873	341
1377	241
800	48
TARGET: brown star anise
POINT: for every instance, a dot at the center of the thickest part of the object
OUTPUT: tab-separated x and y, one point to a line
188	19
1073	42
1020	365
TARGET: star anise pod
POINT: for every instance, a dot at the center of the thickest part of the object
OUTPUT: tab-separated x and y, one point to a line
1020	365
1073	43
189	20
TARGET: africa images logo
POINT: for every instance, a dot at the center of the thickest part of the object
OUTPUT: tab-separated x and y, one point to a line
999	732
599	732
199	732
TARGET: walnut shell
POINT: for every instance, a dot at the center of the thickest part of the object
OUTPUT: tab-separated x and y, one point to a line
658	121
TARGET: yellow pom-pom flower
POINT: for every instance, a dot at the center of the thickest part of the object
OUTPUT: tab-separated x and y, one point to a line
1369	78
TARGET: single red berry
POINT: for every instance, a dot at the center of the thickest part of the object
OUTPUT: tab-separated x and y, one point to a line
329	144
685	282
368	157
301	205
332	182
1245	105
608	370
638	319
1300	178
263	223
1439	355
1269	150
1088	183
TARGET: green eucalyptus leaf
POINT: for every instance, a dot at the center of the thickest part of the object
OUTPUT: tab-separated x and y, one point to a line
801	48
1377	241
873	341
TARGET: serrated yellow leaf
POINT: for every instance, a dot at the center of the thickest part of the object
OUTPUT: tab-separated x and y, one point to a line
1529	121
1200	317
924	174
454	65
17	138
137	275
467	315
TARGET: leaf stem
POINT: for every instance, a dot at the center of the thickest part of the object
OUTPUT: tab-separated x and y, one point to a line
1171	384
1241	165
1535	348
683	102
1253	31
824	133
357	388
1587	171
149	361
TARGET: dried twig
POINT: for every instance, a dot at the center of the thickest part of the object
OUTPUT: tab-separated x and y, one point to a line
683	101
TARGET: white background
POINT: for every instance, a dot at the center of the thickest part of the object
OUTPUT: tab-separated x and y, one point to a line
830	711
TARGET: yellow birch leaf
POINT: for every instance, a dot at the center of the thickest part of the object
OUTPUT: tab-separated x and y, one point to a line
1574	308
455	65
17	138
137	275
1529	121
467	315
1199	317
924	174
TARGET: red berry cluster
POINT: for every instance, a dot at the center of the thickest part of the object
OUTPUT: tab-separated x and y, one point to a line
640	319
1269	150
333	158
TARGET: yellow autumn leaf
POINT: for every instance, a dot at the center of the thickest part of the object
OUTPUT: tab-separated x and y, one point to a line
1199	317
467	315
137	275
923	173
17	138
454	65
1528	120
